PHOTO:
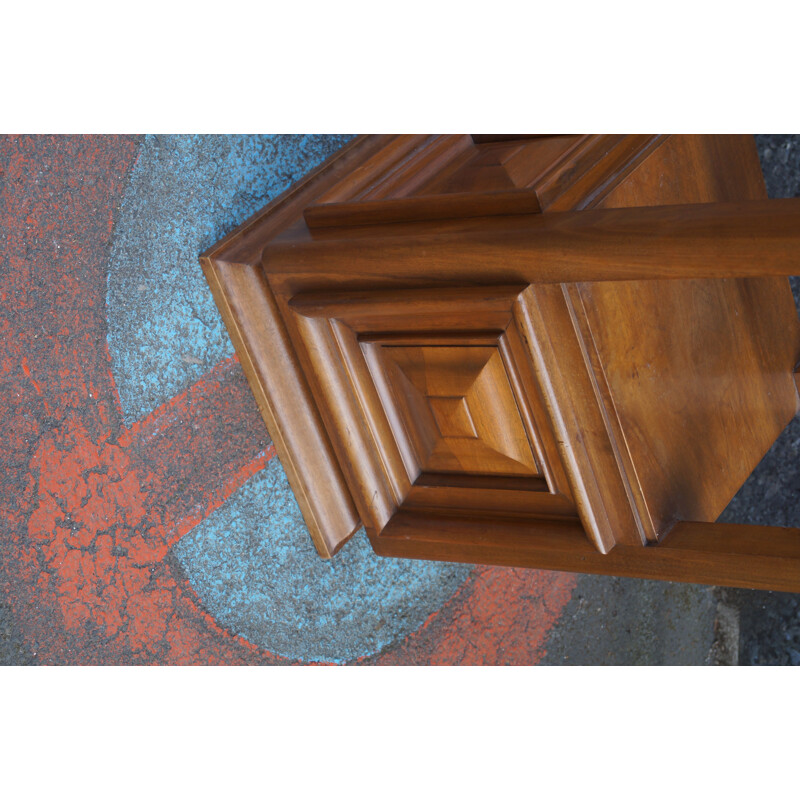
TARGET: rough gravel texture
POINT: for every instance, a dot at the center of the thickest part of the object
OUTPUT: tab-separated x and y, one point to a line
284	598
183	195
12	647
624	621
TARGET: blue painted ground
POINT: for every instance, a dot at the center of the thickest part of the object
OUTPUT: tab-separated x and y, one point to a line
186	193
254	566
251	562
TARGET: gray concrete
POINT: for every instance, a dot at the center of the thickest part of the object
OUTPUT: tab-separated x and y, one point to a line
618	621
12	647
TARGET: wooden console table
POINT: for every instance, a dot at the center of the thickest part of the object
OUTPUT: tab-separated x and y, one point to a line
562	352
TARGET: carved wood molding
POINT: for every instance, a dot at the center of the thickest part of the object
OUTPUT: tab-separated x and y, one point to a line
423	328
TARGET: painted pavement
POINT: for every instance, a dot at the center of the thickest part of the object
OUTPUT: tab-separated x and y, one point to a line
145	518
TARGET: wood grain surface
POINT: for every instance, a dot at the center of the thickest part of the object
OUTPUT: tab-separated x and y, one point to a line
563	352
672	242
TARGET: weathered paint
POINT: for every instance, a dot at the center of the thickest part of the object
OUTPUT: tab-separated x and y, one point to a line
91	509
184	194
253	564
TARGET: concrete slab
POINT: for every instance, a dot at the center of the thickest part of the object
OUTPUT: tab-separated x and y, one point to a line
624	621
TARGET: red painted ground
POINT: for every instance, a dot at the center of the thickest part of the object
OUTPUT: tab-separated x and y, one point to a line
89	508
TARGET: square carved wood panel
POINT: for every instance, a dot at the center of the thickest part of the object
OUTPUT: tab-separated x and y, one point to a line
428	394
455	408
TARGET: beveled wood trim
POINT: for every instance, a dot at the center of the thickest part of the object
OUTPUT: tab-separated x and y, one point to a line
352	385
532	408
285	402
597	484
703	240
592	168
371	463
370	171
514	502
257	330
458	205
573	304
404	311
491	482
402	167
476	338
746	556
411	443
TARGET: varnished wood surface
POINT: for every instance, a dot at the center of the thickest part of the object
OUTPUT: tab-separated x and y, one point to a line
388	386
694	374
420	209
371	461
675	242
634	403
600	488
399	169
454	310
303	446
746	556
592	167
232	268
476	427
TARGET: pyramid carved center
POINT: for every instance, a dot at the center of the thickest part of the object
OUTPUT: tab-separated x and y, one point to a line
454	408
453	418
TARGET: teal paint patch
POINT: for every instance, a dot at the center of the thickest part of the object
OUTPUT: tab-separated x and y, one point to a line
251	562
255	569
185	193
